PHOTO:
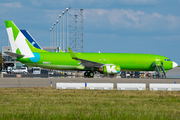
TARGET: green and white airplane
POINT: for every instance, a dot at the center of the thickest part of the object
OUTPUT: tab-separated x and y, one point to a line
106	63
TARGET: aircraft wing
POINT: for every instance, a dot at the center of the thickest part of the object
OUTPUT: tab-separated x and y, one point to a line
85	63
14	55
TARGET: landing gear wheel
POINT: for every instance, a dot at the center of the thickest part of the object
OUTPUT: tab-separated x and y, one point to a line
86	74
91	74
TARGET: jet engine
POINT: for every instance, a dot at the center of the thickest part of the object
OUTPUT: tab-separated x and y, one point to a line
110	69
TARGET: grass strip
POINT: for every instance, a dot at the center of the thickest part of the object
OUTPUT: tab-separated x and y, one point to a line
50	103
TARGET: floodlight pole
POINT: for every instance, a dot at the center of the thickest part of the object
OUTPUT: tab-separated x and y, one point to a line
57	33
60	31
67	28
52	36
63	29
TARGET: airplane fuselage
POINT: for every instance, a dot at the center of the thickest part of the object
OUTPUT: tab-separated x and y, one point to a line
126	61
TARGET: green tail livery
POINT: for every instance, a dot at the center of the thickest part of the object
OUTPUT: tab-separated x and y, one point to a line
107	63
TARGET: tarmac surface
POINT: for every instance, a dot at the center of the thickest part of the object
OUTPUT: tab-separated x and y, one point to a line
173	76
46	82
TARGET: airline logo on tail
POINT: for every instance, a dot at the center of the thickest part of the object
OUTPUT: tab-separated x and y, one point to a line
18	41
30	39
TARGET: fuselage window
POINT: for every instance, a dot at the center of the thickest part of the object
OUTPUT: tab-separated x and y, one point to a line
167	59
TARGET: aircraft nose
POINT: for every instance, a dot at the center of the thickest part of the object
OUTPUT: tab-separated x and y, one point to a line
174	64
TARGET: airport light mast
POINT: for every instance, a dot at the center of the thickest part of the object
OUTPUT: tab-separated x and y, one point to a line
54	34
60	31
63	28
52	37
67	29
57	33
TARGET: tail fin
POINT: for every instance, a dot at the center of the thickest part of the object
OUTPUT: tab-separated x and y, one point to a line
19	43
30	39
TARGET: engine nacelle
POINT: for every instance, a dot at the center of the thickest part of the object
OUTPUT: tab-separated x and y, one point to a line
110	69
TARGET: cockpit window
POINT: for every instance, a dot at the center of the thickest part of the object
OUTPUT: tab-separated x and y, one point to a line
167	59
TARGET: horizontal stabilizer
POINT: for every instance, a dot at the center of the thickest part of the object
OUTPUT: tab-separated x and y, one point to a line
14	55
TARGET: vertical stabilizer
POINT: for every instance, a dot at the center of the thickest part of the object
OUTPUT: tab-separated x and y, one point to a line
17	40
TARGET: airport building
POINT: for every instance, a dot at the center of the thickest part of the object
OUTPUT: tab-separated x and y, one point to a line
15	64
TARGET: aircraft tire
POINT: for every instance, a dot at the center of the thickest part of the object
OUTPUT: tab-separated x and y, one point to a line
91	74
86	74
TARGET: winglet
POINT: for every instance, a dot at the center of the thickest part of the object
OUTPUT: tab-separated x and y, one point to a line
72	54
60	51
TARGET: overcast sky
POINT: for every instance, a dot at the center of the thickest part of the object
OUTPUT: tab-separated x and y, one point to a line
123	26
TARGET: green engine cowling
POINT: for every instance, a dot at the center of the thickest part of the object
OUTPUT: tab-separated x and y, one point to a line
110	69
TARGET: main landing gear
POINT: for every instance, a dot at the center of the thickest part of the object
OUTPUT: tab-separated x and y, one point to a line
89	74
